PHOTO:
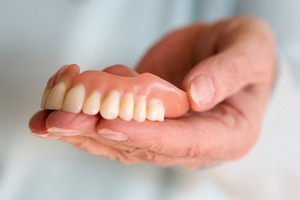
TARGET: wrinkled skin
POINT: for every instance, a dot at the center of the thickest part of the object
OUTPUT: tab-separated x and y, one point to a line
238	54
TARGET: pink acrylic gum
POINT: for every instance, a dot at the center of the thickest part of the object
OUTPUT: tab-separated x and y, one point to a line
146	86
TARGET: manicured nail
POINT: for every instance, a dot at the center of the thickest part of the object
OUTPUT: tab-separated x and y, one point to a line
64	132
202	90
113	135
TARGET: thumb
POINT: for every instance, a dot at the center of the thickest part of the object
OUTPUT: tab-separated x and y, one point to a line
245	54
220	76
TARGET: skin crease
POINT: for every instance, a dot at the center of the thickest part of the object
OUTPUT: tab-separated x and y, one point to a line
238	54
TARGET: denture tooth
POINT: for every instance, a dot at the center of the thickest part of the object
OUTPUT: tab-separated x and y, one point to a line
44	98
56	97
110	105
126	107
155	111
74	99
92	104
140	110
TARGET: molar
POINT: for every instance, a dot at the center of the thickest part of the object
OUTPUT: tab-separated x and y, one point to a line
140	110
74	99
126	107
92	104
155	111
56	96
110	105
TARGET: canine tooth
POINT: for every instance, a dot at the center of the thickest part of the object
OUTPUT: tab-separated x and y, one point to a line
110	105
44	98
74	99
92	104
56	96
126	107
156	111
140	110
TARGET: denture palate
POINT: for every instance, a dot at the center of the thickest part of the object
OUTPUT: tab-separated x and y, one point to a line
139	98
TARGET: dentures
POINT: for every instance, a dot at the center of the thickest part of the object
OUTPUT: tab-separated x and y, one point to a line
145	96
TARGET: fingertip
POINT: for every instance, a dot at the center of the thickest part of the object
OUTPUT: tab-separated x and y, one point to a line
71	124
37	123
48	136
201	92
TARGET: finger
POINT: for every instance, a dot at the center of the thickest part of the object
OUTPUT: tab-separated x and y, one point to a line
61	123
242	59
90	145
169	137
212	136
95	144
71	124
37	125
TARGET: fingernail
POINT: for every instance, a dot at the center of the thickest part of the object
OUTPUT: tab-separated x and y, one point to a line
64	132
45	135
40	134
202	90
113	135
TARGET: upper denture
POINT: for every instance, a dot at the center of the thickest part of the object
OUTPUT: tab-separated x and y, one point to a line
145	96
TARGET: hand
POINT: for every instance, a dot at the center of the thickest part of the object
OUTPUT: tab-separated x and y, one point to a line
227	69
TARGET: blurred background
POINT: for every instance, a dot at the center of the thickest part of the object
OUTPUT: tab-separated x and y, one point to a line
38	37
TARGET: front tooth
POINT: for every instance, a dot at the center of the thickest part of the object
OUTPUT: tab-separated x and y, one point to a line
156	111
126	107
56	97
44	98
110	106
74	99
140	110
92	104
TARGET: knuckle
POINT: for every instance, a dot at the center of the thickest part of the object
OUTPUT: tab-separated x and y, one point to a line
190	151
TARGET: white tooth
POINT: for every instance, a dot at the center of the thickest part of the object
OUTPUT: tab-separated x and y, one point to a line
92	104
56	97
140	110
74	99
44	98
126	107
110	105
155	111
